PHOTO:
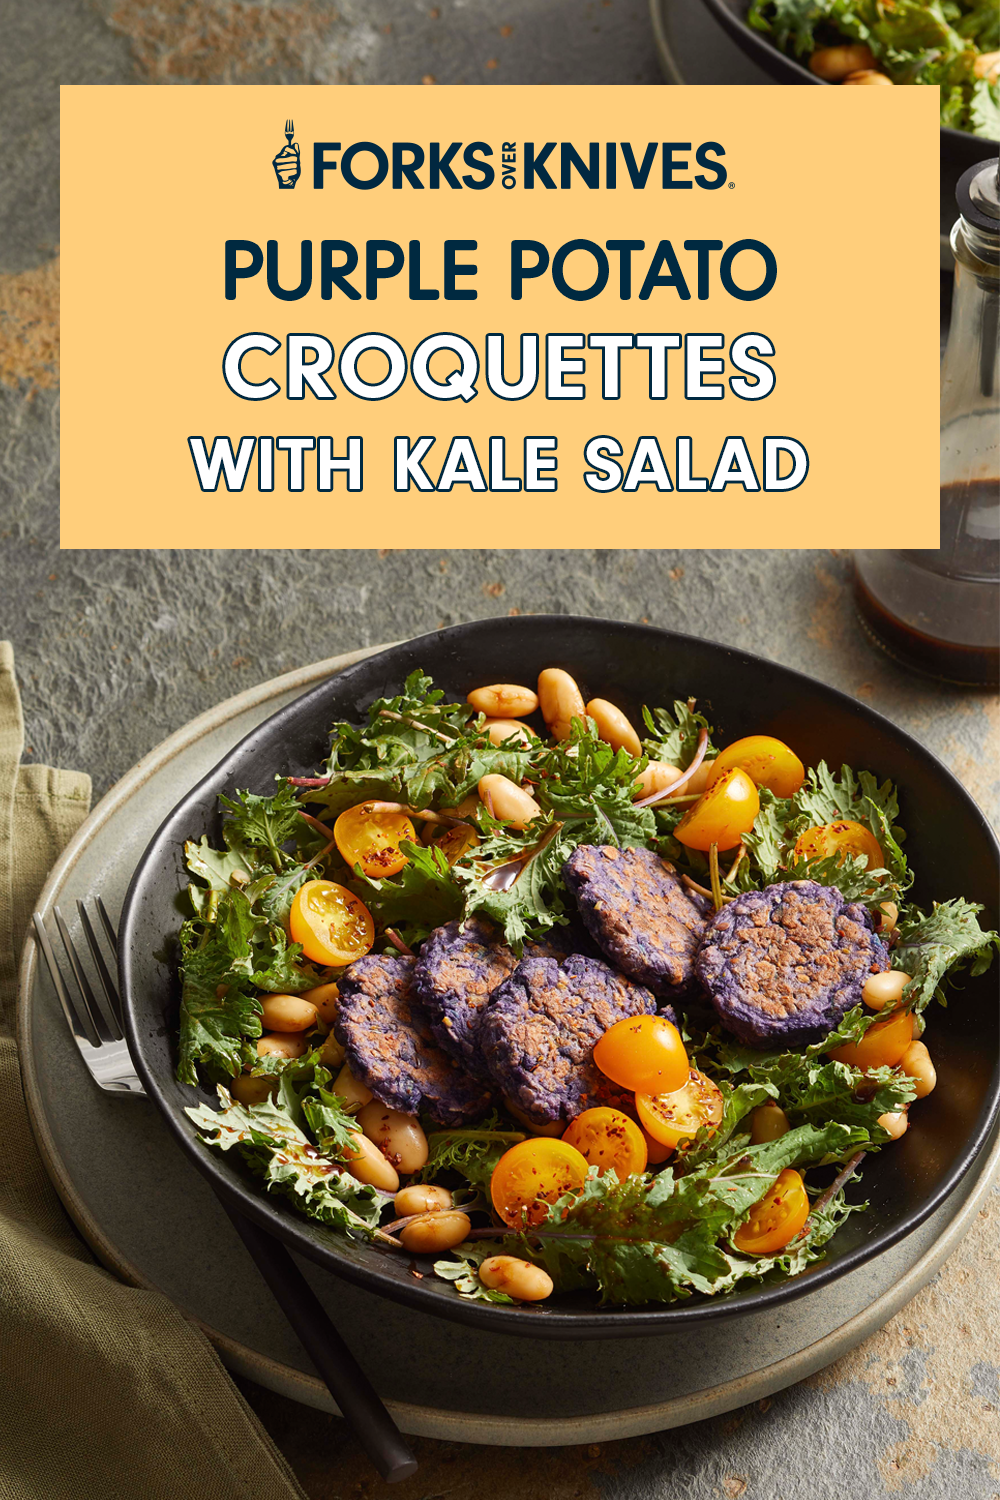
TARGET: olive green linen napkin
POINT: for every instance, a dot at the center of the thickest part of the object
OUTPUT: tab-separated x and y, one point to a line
105	1390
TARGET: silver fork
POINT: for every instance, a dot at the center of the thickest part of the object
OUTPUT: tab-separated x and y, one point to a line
99	1030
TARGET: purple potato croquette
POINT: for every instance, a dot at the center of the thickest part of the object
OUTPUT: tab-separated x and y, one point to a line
640	914
390	1048
459	967
538	1033
784	965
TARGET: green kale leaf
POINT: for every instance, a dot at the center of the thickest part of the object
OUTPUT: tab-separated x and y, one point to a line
674	737
471	1153
931	946
463	1272
263	822
218	1011
276	1150
424	895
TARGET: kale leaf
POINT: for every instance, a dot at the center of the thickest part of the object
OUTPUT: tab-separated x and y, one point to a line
218	1014
471	1153
931	946
275	1149
263	822
674	737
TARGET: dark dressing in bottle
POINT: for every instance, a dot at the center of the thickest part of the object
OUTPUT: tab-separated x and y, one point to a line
939	611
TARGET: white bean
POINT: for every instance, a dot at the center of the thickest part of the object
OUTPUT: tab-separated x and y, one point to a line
518	1278
880	990
657	776
467	808
503	700
332	1054
890	916
500	730
868	75
835	63
367	1164
289	1044
287	1013
561	701
421	1198
433	1232
916	1062
613	726
894	1124
347	1088
767	1123
399	1137
248	1090
699	781
324	997
508	802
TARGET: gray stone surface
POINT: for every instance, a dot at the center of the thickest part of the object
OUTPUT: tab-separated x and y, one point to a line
117	649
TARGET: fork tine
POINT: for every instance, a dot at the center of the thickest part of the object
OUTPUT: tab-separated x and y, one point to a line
109	926
79	1020
110	991
83	983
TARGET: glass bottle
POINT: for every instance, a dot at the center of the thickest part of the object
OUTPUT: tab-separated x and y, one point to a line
939	611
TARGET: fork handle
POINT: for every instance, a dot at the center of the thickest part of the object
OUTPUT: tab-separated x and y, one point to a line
350	1388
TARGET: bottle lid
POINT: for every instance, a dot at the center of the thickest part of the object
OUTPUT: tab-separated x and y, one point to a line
978	195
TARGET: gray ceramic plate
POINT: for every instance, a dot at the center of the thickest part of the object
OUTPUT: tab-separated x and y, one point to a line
152	1221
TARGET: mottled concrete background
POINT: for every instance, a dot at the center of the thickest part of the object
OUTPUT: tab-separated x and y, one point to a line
116	650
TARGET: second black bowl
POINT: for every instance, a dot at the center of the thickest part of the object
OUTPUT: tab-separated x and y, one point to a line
959	148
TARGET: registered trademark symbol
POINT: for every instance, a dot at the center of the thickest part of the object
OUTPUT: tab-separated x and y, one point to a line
732	184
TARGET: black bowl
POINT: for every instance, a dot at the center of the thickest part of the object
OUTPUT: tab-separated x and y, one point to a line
959	148
950	844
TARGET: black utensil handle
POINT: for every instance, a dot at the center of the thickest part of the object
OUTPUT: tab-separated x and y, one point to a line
359	1403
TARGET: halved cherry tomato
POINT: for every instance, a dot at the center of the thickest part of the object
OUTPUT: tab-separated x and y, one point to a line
332	925
768	762
777	1218
882	1045
455	841
845	838
644	1054
607	1139
724	813
676	1117
533	1174
370	837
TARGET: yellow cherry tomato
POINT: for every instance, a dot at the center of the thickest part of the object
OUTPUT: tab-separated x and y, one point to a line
332	925
777	1218
845	839
454	841
768	762
533	1174
370	837
722	815
656	1151
882	1045
607	1138
676	1117
644	1054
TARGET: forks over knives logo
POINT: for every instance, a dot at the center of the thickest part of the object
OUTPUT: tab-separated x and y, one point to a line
287	164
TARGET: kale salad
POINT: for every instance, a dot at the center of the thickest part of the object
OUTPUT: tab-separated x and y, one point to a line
952	43
558	1002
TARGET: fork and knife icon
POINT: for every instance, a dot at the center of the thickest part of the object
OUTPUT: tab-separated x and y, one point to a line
287	164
